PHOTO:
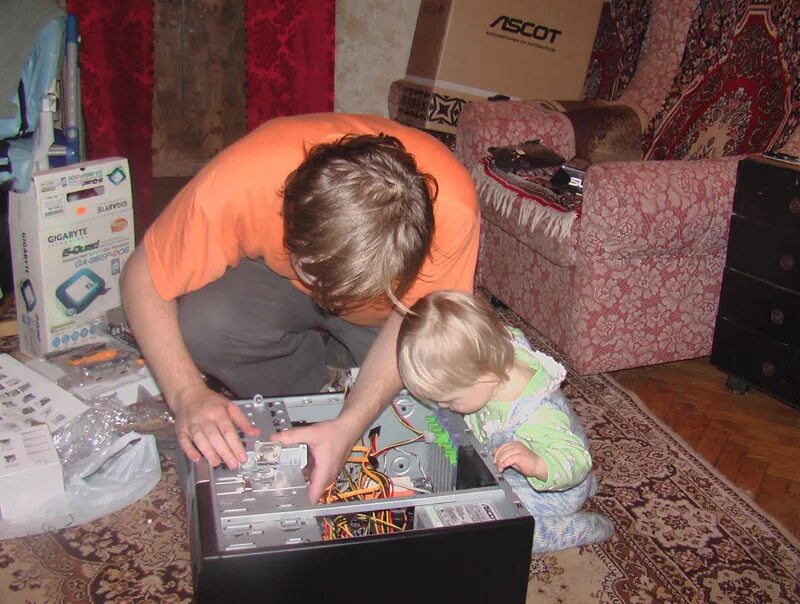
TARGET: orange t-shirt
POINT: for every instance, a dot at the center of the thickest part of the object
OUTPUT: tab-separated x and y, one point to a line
232	209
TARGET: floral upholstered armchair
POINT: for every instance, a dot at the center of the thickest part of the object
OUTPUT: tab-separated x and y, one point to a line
630	274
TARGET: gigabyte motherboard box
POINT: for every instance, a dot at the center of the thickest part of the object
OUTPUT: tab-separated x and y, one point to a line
418	514
71	234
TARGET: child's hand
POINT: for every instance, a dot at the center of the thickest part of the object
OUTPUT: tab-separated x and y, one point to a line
515	455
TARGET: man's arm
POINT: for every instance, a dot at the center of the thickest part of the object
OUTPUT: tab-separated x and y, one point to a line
205	422
378	379
331	441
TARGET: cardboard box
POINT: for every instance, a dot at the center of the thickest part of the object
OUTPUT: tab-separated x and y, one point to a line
30	471
27	399
431	107
465	50
71	234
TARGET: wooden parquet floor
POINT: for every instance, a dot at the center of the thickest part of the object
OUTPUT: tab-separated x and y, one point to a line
752	439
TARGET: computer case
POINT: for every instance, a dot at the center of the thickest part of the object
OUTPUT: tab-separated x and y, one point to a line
254	535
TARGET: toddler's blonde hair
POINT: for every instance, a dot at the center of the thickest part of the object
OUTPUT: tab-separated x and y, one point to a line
448	341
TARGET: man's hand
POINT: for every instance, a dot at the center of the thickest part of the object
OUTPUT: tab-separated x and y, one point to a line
331	441
206	423
515	455
330	445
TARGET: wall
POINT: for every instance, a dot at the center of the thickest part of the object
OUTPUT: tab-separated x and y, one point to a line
199	104
373	39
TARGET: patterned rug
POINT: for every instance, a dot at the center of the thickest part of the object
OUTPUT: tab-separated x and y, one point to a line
683	534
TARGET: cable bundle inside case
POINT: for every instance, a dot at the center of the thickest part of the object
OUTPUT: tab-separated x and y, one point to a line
361	480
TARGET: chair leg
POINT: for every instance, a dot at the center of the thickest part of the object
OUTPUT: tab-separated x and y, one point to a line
498	303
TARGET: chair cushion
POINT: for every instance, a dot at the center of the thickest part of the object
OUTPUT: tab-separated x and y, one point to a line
604	131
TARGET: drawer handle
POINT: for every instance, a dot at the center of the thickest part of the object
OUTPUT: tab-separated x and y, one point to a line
794	205
787	262
768	368
776	316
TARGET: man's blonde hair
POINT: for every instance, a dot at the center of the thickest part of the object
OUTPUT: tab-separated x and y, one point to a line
449	340
358	219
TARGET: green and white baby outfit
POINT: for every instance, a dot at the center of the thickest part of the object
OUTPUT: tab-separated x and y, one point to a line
542	419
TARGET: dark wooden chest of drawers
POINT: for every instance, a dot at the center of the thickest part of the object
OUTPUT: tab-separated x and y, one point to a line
757	334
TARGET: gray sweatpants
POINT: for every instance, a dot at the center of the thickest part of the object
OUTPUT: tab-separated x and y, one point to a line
254	331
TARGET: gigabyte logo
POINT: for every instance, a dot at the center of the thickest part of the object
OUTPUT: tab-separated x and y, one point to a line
110	207
527	29
25	261
68	235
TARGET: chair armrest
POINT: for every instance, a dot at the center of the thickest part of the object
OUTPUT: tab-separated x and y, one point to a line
657	207
485	124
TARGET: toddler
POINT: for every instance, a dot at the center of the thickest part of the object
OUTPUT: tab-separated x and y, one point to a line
454	350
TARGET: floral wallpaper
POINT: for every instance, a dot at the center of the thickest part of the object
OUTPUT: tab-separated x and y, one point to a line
373	39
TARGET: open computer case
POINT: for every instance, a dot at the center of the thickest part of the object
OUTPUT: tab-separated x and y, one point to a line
418	514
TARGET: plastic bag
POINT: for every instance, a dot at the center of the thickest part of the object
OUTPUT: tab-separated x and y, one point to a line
107	419
120	475
117	476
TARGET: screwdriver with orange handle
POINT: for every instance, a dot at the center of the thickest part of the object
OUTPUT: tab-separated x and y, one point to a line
101	356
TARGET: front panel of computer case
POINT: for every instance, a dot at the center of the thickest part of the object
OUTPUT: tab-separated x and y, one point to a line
419	512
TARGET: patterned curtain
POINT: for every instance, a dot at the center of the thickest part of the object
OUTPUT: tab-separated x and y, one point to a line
290	57
116	61
289	66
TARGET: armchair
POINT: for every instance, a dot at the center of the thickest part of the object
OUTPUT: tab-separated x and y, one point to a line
634	277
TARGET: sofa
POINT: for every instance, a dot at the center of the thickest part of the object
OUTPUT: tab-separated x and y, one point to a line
629	274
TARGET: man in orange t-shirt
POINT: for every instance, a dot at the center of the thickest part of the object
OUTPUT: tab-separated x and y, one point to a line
300	244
